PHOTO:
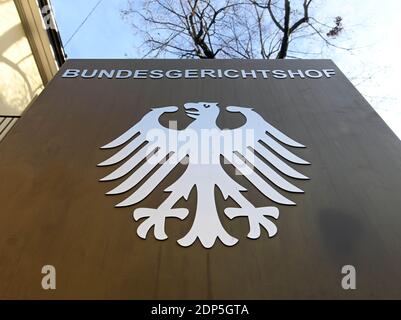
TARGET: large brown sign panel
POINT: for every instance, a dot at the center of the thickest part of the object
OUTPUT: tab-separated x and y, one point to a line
54	209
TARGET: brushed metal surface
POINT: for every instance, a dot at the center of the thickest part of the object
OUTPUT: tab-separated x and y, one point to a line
55	211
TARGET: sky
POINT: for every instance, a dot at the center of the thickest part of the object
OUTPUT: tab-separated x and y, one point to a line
371	29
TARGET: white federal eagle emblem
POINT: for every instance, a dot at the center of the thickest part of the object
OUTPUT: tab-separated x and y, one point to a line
151	151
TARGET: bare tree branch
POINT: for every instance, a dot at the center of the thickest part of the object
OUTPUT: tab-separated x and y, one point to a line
209	29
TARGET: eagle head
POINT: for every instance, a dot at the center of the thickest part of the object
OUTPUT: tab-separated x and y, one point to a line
196	109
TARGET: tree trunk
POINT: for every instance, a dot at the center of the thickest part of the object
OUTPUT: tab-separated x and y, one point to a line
286	32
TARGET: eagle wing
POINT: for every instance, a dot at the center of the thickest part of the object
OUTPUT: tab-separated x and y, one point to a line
139	148
265	152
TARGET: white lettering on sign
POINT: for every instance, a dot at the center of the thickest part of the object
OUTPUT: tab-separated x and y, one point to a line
198	74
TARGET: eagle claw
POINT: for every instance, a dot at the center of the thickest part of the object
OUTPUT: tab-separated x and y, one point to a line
157	218
256	217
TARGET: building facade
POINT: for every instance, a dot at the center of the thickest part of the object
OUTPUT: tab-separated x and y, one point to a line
30	55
